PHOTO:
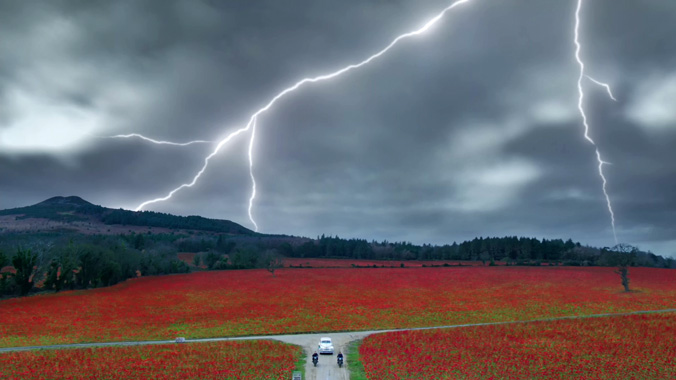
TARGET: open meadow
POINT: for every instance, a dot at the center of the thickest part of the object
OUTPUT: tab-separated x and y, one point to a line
250	302
262	359
626	347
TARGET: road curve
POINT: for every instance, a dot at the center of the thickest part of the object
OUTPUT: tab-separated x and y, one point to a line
327	367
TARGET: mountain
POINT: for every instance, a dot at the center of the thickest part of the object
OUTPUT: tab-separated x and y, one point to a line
75	213
71	201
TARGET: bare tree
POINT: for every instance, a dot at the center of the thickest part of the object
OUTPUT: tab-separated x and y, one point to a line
622	256
271	261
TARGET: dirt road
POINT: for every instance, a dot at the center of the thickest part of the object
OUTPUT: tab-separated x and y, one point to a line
327	368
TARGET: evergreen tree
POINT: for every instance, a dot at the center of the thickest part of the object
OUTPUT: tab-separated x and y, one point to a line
24	263
139	242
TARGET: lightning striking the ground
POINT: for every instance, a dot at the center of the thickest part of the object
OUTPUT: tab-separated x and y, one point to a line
583	114
252	120
159	142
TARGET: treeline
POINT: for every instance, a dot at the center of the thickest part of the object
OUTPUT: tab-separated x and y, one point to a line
49	261
87	263
510	250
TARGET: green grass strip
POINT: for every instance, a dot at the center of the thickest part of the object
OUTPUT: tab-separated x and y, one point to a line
300	364
354	365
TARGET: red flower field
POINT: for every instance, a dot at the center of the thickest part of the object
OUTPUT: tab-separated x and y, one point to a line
261	359
248	302
630	347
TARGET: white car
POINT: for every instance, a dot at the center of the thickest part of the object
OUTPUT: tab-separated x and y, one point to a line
325	346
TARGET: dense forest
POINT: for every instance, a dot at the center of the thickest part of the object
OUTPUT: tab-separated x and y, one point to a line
58	263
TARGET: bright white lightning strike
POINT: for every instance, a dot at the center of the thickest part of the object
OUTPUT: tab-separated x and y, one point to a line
604	85
252	119
159	142
253	179
199	173
580	106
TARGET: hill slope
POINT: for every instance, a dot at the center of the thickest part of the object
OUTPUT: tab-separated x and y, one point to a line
75	210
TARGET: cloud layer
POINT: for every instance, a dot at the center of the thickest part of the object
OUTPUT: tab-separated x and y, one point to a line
470	130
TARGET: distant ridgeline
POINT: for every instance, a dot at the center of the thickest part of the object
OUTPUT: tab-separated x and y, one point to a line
76	209
156	219
62	209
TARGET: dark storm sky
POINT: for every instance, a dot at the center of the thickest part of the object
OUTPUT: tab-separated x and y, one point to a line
468	130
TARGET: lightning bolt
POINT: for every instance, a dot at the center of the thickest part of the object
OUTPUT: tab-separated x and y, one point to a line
604	85
253	179
580	106
251	125
159	142
201	171
252	120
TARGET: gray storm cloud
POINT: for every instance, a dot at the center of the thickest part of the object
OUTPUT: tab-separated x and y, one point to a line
468	131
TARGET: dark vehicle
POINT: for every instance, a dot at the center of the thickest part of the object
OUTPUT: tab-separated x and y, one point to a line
315	359
340	359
